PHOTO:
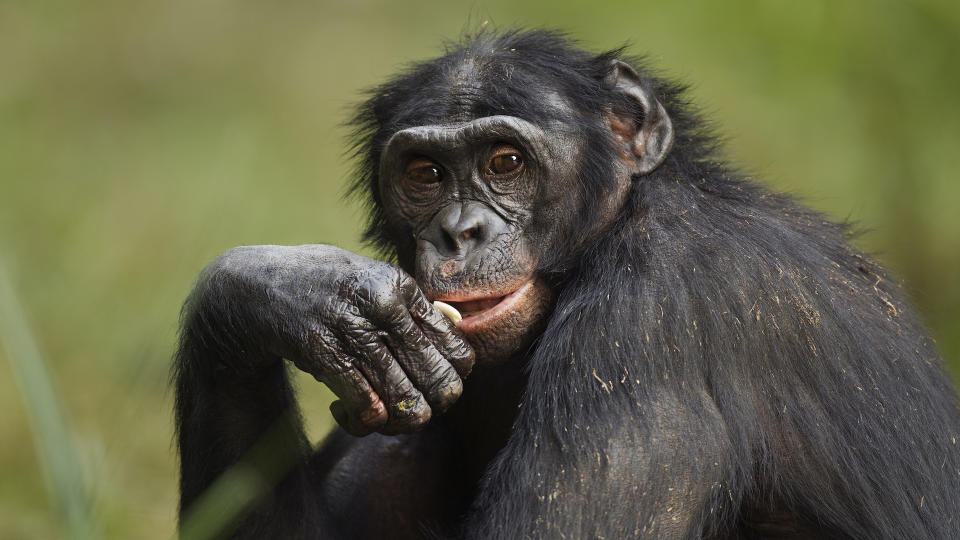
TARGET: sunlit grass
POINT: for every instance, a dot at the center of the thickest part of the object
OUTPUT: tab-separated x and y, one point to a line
52	436
222	505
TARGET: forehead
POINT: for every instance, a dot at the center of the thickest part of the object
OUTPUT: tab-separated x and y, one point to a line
465	87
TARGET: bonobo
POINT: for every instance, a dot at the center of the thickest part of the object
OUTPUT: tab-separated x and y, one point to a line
651	344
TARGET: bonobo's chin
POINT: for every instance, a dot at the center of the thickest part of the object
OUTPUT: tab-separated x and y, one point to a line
502	325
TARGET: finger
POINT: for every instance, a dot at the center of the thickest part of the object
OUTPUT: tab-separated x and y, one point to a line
406	406
424	365
354	427
442	333
432	374
359	410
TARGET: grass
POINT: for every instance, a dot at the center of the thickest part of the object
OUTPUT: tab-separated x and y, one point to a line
52	437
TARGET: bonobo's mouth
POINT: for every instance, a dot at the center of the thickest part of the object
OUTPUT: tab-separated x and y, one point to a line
479	312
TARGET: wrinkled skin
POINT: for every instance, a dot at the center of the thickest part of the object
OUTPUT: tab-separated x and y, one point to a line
360	326
478	235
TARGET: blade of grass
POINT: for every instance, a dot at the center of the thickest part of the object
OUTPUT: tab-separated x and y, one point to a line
221	507
222	504
54	443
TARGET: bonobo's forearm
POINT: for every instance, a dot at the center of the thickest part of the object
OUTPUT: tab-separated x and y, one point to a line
226	417
360	326
242	304
234	404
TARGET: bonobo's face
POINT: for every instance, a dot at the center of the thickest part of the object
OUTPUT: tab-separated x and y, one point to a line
482	200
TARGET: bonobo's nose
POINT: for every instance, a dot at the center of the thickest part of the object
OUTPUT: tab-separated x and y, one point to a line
462	228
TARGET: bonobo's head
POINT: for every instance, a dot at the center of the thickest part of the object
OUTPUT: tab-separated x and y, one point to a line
491	168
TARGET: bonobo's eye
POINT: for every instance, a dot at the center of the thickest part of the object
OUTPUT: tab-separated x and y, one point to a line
421	173
505	160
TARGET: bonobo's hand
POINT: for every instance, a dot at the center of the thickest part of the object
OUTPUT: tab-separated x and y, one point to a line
360	326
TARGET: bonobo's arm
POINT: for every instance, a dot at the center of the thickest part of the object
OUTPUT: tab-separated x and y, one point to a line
360	326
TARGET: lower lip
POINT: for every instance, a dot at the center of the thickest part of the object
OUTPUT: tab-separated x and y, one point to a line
484	318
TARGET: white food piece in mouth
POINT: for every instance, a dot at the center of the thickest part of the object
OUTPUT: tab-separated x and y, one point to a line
448	310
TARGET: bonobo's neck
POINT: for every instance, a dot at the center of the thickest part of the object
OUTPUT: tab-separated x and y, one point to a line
483	417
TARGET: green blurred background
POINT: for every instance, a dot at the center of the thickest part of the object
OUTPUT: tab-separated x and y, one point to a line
138	140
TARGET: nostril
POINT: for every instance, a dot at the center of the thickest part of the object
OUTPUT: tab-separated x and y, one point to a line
460	229
472	232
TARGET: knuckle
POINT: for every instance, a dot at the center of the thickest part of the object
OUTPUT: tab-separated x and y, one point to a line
424	310
338	312
314	347
447	392
356	331
463	360
373	294
382	297
406	283
409	411
318	338
342	320
414	413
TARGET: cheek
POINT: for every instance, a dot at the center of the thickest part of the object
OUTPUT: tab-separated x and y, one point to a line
399	229
546	235
557	206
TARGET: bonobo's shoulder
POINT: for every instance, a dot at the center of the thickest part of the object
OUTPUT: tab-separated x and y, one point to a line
726	204
396	483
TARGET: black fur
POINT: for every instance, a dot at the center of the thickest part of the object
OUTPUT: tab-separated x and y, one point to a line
721	355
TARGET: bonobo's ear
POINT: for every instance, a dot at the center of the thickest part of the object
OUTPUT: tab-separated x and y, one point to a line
647	144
